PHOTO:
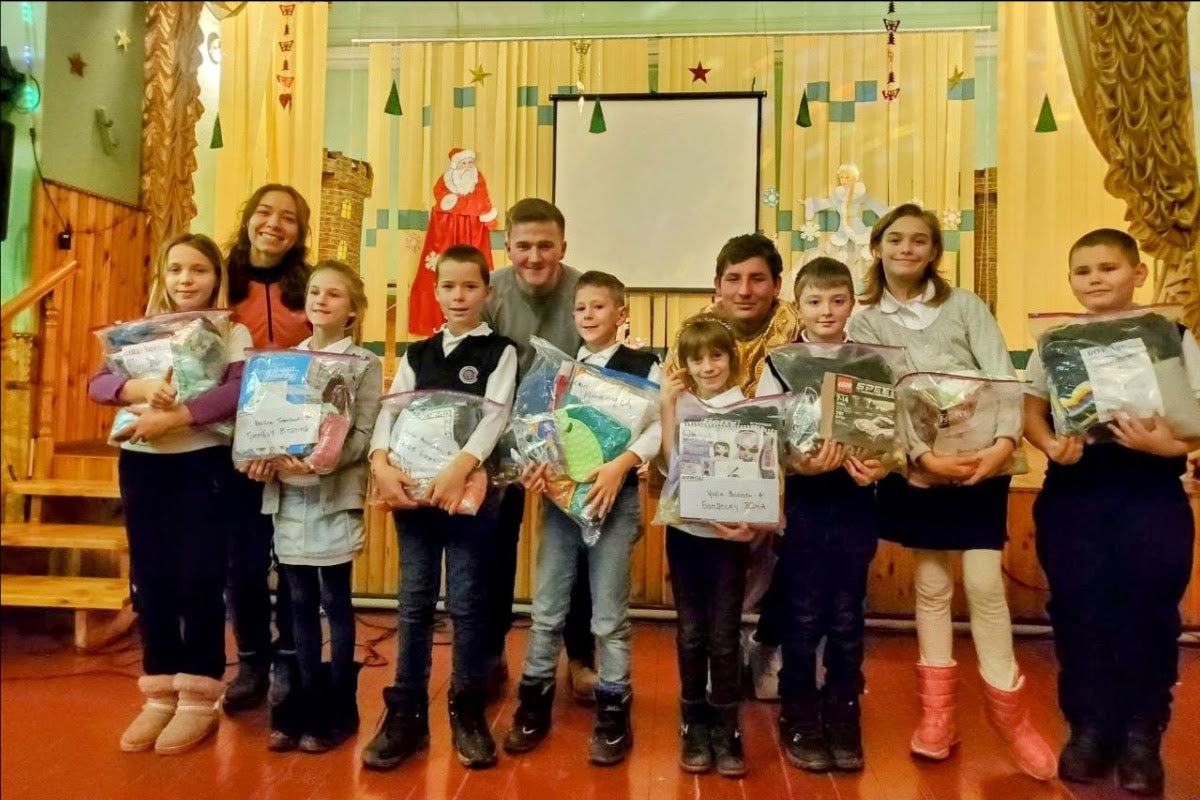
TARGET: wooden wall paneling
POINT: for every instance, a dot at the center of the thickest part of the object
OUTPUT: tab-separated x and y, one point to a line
640	316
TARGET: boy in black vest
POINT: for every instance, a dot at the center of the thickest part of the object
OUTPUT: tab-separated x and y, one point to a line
465	356
600	311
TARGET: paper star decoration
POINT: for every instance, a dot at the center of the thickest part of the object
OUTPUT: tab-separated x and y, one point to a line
478	74
122	37
956	77
77	64
699	72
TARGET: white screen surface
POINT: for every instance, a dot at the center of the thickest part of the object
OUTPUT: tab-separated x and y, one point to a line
654	198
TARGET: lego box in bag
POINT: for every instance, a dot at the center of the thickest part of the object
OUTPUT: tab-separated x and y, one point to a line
429	431
842	391
296	403
725	466
1100	366
188	345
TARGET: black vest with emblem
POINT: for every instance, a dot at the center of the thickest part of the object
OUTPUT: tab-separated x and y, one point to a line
466	369
632	362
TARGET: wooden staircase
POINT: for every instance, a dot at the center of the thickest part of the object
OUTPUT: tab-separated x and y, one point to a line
101	604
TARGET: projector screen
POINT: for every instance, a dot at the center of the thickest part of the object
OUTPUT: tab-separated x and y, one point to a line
654	198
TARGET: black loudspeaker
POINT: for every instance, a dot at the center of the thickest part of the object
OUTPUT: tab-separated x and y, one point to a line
8	133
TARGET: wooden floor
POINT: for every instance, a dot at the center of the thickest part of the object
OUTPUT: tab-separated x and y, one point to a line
62	714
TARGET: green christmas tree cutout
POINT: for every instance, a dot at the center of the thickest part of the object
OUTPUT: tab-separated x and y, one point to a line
1045	123
597	125
803	118
393	102
217	141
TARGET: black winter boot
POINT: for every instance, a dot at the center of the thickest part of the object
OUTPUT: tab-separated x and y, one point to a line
1087	756
405	731
248	688
727	741
696	736
803	735
612	737
1140	766
531	721
285	704
842	718
469	728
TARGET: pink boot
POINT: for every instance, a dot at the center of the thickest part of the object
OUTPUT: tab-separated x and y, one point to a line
1009	714
937	732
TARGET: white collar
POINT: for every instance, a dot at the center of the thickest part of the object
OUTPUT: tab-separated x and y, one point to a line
482	329
601	357
845	338
888	303
340	346
726	398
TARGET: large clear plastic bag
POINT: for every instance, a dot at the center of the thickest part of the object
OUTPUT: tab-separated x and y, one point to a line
726	465
429	430
189	344
844	391
1099	366
574	418
960	413
296	403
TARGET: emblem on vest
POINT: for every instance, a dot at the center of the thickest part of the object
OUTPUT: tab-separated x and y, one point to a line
468	375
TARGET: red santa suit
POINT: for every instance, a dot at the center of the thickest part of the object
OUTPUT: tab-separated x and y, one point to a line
462	214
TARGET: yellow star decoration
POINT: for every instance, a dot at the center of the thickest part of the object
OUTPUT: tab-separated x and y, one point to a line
956	77
478	74
122	38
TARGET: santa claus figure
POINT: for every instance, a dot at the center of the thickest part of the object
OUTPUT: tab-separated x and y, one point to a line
462	214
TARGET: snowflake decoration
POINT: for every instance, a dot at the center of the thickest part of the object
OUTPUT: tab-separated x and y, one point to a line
770	197
951	220
431	261
412	242
865	252
810	231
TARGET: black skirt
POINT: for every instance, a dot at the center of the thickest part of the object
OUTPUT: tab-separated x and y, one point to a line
944	517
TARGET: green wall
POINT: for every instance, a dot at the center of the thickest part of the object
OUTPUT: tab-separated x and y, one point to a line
14	250
72	151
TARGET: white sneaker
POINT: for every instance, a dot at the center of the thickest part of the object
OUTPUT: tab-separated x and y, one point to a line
765	663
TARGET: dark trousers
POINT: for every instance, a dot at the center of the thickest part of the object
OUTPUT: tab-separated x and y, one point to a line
708	580
824	557
772	609
311	589
175	507
251	557
470	548
1118	563
501	584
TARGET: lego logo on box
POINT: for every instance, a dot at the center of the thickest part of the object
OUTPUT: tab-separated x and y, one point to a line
845	384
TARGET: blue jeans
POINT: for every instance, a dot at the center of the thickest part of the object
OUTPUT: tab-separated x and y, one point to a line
314	588
608	572
469	544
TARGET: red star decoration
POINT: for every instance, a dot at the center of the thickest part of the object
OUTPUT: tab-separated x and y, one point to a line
77	64
699	72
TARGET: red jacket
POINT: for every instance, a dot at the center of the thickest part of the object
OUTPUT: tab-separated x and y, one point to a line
272	324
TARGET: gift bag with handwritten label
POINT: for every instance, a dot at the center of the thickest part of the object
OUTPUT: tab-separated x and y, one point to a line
296	403
726	465
429	431
188	345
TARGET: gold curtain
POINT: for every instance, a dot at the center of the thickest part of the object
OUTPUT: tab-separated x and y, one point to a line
170	109
1050	186
919	147
1128	64
272	107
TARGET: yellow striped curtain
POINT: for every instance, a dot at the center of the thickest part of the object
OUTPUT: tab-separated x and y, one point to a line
506	117
266	141
919	147
1050	186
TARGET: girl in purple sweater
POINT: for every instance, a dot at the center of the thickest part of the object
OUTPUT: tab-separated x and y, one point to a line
174	474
